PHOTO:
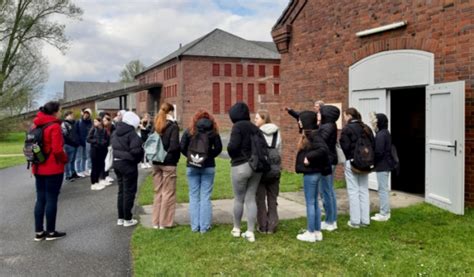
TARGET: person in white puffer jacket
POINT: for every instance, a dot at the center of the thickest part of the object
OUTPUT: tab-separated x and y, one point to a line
267	214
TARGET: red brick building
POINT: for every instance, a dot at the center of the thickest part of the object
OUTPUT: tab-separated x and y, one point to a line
413	60
213	72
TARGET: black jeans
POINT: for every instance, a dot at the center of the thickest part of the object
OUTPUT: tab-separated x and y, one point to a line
127	177
98	155
267	214
47	192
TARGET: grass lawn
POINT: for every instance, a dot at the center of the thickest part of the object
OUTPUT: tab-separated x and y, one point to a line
222	184
419	240
12	144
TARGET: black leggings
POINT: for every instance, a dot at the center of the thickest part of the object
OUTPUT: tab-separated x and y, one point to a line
98	155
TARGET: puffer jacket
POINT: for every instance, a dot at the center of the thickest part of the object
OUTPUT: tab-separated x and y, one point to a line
170	139
52	145
204	125
328	130
349	136
317	154
126	144
383	145
240	147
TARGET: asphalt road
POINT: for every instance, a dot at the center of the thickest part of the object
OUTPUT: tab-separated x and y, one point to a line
94	245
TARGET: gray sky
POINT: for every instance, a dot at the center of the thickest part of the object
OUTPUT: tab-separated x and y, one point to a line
113	32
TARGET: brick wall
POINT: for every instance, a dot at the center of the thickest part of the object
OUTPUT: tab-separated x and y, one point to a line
323	46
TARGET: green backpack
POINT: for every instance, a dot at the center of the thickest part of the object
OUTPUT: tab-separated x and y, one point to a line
154	149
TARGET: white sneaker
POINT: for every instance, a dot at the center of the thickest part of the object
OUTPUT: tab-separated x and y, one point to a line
120	222
109	179
328	227
310	237
86	173
131	222
380	217
148	165
104	183
250	236
142	165
352	226
81	174
156	227
97	186
235	232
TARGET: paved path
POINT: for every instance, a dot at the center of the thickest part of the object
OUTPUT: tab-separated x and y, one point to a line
94	245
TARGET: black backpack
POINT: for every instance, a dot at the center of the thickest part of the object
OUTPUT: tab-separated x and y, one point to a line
259	158
275	162
33	147
70	136
363	161
198	149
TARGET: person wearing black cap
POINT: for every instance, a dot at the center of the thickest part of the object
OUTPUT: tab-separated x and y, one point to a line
244	180
312	160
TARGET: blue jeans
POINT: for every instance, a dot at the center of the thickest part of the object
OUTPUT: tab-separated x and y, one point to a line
71	158
83	158
47	192
201	183
382	180
358	190
313	213
329	197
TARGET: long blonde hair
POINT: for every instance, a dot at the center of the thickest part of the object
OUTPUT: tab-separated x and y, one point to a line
265	115
160	119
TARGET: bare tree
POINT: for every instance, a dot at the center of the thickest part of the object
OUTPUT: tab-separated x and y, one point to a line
131	69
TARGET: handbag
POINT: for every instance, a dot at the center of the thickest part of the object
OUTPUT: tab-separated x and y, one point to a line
109	159
341	158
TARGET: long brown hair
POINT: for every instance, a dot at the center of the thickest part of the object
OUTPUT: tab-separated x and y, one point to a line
160	119
201	113
304	142
354	113
265	115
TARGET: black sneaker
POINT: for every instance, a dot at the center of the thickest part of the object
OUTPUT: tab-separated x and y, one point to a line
75	176
40	236
55	235
70	179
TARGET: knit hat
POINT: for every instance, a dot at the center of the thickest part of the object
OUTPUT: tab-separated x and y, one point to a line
130	118
89	111
308	120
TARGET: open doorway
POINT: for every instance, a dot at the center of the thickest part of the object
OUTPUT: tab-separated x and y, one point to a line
408	127
153	101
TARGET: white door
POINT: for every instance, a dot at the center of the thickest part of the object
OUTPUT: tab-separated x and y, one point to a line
367	101
445	146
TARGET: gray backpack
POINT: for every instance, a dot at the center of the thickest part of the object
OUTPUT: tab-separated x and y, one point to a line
275	162
154	149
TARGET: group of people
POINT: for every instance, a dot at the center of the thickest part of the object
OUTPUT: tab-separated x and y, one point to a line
316	158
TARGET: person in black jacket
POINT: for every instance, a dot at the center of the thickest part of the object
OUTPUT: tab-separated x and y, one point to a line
328	131
164	174
145	130
99	140
312	160
244	180
71	142
128	151
357	184
201	173
383	163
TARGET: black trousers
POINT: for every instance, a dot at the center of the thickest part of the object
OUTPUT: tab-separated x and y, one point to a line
127	178
47	192
98	155
267	214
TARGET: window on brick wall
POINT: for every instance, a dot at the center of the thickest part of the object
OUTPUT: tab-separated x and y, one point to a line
239	70
261	70
240	92
251	97
174	71
227	70
175	90
262	88
250	70
216	98
215	69
276	89
276	71
227	97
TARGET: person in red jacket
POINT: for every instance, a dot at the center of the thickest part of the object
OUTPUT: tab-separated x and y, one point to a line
49	175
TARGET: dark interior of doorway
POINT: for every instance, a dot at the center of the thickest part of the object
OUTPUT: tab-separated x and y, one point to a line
408	129
153	100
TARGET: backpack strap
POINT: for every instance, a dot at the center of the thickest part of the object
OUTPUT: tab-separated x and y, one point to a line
274	140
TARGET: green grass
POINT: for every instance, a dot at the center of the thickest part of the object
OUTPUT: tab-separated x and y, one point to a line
11	161
419	240
12	144
222	184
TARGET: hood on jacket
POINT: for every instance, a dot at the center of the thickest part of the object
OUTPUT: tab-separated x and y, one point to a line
239	112
329	114
131	119
42	118
382	121
123	128
308	120
269	129
204	125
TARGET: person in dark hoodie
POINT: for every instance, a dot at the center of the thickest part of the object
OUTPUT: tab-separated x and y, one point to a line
99	140
145	130
164	173
201	173
71	142
328	131
83	127
384	163
312	160
49	175
128	152
357	184
244	180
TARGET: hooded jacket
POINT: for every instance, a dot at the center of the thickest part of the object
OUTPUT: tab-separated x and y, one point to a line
383	145
317	154
204	125
83	127
349	136
52	145
240	147
328	130
269	131
126	144
170	139
70	135
98	138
